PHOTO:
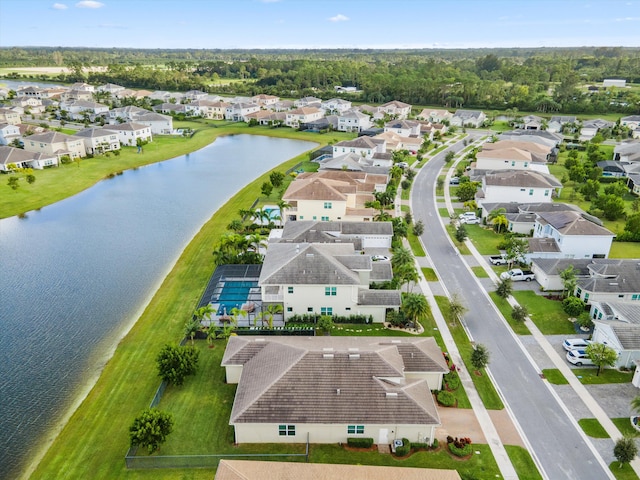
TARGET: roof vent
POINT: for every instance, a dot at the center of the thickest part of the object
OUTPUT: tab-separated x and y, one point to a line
354	355
613	284
327	349
259	339
392	394
327	355
354	349
396	341
337	391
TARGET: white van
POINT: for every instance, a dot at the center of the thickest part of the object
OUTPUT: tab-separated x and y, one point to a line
468	217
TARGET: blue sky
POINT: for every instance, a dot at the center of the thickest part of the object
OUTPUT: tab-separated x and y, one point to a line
319	23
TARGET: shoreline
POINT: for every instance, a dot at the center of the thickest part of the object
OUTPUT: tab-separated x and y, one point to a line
47	440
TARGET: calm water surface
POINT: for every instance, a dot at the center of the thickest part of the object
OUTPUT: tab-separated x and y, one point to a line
75	273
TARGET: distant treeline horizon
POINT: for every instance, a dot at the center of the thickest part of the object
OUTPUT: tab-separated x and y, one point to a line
542	79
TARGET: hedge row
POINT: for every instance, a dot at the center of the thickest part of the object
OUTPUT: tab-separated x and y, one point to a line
360	442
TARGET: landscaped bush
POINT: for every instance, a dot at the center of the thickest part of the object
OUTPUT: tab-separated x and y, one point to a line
420	446
405	449
311	318
446	399
452	380
360	442
459	447
573	306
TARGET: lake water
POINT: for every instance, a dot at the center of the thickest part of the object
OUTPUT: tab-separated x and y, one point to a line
74	274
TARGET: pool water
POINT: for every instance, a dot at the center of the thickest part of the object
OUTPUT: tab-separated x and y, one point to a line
233	295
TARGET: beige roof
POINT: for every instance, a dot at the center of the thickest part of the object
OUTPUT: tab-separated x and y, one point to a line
52	137
522	178
527	146
332	185
304	111
335	380
506	154
258	470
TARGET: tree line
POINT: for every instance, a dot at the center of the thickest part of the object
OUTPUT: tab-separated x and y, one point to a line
544	80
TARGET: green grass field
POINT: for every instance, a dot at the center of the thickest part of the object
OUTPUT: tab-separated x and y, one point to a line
546	314
588	376
429	274
593	428
554	376
518	327
523	463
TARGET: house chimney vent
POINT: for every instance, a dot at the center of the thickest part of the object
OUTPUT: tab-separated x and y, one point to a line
354	355
337	391
392	394
327	355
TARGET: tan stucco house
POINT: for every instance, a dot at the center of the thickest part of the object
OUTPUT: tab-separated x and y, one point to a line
329	389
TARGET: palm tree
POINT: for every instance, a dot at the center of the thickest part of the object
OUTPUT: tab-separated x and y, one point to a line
415	307
382	216
237	313
406	273
635	404
401	256
272	309
456	309
191	327
203	313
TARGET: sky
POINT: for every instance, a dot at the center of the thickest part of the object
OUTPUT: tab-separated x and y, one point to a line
319	23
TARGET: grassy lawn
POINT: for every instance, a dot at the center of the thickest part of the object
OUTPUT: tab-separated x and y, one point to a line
464	250
624	250
523	463
518	327
624	425
92	444
405	194
443	212
593	428
546	314
587	376
54	184
429	274
624	473
486	390
482	465
405	208
484	239
416	246
480	272
555	376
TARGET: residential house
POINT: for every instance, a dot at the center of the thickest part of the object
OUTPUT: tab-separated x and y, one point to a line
329	122
274	118
133	94
308	102
159	124
326	380
172	108
335	105
343	89
632	122
354	121
468	118
364	146
380	163
207	109
193	95
129	133
591	127
78	109
611	168
99	140
548	270
394	142
264	100
395	109
9	116
512	155
521	186
435	115
10	156
282	106
363	235
610	281
532	122
577	235
8	133
542	137
55	143
617	325
557	123
330	195
166	97
627	152
126	114
28	104
404	128
112	88
259	470
237	112
30	92
303	115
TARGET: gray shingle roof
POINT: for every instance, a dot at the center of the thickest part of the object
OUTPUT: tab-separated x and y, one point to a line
628	335
554	266
521	178
379	297
336	380
572	223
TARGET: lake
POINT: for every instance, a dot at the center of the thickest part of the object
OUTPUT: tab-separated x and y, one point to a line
74	275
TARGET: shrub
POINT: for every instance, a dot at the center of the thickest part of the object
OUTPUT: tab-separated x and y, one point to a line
519	313
360	442
446	399
405	449
452	380
460	447
435	443
573	306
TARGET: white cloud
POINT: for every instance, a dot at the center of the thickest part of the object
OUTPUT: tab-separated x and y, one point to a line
89	4
339	18
59	6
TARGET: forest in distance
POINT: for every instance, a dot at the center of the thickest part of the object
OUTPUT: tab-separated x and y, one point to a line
545	80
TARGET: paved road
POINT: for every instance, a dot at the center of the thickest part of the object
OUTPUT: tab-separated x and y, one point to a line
559	446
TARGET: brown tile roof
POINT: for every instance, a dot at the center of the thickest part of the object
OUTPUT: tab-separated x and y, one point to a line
340	380
258	470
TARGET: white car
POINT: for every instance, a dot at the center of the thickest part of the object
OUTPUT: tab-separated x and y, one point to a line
380	258
578	358
468	217
575	343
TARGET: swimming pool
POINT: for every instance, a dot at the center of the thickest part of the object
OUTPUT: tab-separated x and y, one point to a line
232	294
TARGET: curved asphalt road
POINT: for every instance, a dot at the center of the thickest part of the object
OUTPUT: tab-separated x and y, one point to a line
560	448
